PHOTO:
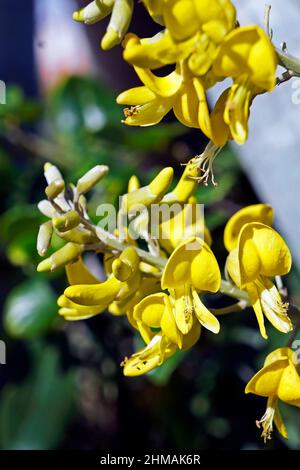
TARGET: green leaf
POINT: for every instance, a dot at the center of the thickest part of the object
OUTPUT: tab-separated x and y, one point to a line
34	416
29	309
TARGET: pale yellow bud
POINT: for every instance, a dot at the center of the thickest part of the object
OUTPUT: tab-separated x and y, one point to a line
46	208
78	235
52	173
133	184
150	194
67	221
187	184
94	11
91	178
119	23
61	257
44	238
126	265
54	189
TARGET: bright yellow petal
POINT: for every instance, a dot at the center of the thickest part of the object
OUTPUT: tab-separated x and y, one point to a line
136	96
205	271
255	213
78	273
289	386
150	310
148	114
165	87
192	337
94	294
266	382
257	239
248	51
205	317
256	304
279	423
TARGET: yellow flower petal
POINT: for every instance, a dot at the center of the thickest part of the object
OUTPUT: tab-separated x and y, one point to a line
136	96
205	317
266	381
165	87
255	213
94	294
262	251
289	386
256	304
78	273
248	51
279	423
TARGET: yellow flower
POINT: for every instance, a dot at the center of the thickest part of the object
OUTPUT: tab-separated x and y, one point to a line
155	320
208	20
154	354
194	29
183	224
192	268
121	284
121	13
78	273
255	213
261	254
279	379
177	91
248	56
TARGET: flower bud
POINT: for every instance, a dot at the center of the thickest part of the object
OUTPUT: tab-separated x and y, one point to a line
91	178
61	257
94	11
150	194
78	235
46	208
133	184
52	173
54	189
118	25
126	265
67	221
44	238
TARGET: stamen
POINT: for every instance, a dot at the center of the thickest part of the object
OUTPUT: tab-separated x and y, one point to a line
266	422
204	163
128	112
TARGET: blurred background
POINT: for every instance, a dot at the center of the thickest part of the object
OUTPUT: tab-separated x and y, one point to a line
61	386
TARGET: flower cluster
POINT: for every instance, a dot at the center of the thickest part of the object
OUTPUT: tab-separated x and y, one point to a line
161	290
204	43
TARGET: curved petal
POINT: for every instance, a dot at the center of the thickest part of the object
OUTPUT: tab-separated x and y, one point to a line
256	304
136	96
150	310
192	337
249	51
205	317
94	294
148	114
255	213
289	386
78	273
162	86
279	423
262	251
266	381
